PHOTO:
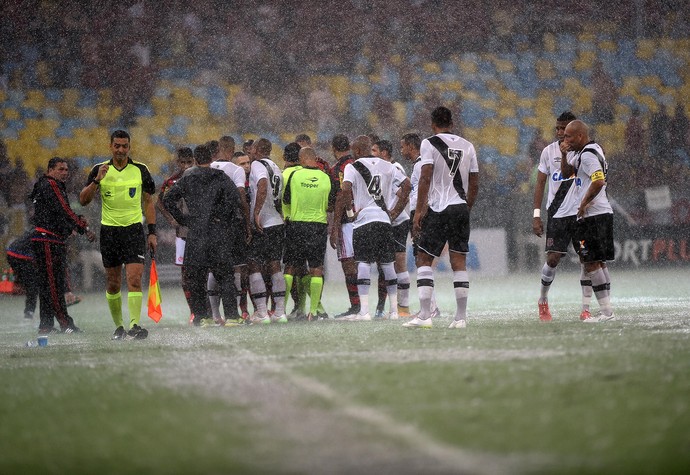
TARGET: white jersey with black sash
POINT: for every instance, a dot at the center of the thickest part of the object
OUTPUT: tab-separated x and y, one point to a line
374	183
453	159
562	199
591	165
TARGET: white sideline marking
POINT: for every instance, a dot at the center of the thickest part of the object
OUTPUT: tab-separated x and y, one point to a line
451	456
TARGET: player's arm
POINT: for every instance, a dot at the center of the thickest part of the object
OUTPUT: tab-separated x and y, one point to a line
261	192
472	189
537	224
244	205
567	170
89	191
403	198
150	215
169	201
422	197
341	199
161	208
598	181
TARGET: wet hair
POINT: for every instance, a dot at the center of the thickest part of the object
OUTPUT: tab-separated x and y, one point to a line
263	146
291	152
303	138
213	147
185	152
340	143
238	154
226	142
119	134
53	162
248	143
442	117
566	116
385	145
412	139
202	154
373	137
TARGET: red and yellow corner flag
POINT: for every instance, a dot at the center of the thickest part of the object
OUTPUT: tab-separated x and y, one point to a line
154	303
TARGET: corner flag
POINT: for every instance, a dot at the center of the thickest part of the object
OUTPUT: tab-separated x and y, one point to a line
154	299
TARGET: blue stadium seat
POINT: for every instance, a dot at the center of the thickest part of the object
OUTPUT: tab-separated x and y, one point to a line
88	99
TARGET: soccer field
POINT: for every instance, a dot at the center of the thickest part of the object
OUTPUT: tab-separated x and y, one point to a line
508	394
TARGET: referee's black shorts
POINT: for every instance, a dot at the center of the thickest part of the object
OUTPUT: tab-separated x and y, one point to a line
122	245
305	243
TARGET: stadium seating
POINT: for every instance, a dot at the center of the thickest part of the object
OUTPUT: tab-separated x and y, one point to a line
502	99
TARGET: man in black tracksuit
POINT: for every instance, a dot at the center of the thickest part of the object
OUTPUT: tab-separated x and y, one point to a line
215	228
54	222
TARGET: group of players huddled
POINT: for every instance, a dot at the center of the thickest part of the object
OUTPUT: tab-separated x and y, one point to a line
244	226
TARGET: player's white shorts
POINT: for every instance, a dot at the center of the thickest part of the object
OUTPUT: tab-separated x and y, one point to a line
179	251
346	250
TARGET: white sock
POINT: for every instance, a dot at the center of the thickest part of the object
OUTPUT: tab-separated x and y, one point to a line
213	297
547	275
598	279
391	285
404	289
238	286
257	287
425	289
586	285
363	283
461	285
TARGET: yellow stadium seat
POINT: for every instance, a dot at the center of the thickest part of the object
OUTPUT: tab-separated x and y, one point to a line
545	69
608	45
550	43
585	60
10	114
504	65
35	99
468	67
400	112
471	134
586	37
431	68
646	49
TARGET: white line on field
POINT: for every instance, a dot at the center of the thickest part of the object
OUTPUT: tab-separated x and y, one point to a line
453	457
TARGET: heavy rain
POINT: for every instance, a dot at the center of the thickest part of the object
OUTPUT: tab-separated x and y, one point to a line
186	79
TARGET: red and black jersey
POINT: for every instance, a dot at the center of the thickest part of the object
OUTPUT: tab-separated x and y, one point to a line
53	216
171	181
336	173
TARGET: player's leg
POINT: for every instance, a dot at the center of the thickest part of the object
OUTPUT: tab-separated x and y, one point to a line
457	223
461	286
430	244
350	268
400	233
363	284
134	272
213	297
382	293
227	291
596	232
586	286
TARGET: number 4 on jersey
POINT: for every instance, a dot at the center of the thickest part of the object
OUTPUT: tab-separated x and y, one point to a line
374	187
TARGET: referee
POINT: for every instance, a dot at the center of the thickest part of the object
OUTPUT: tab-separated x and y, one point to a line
126	189
306	195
